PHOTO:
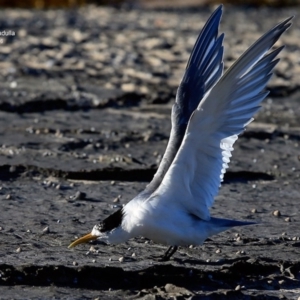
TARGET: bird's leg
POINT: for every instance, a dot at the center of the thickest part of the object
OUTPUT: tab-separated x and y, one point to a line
171	250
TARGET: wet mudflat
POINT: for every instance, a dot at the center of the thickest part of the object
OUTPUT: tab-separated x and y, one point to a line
85	101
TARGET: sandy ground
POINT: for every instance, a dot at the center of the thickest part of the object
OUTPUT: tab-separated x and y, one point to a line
85	101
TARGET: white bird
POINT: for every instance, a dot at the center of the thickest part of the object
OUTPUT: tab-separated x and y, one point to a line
209	112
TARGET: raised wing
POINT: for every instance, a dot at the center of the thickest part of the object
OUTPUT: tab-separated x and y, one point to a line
203	70
195	175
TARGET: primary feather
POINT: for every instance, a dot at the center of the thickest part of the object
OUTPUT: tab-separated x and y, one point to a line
203	70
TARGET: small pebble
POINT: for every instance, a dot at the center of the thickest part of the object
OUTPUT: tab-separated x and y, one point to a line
13	84
1	228
79	196
12	169
75	263
288	219
254	210
8	196
218	251
92	249
19	250
94	260
281	282
112	182
121	259
276	213
133	254
238	287
49	183
46	229
191	246
117	200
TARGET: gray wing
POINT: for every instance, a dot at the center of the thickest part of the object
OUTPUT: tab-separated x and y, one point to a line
203	70
214	126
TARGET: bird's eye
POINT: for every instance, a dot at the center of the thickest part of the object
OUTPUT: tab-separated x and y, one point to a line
101	227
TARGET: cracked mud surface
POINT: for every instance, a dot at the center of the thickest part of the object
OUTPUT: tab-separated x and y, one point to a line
85	99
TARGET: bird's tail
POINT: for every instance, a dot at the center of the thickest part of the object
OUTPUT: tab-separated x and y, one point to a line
226	223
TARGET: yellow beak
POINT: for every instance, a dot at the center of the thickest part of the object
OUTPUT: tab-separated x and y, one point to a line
84	239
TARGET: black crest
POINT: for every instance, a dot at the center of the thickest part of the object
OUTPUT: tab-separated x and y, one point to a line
111	222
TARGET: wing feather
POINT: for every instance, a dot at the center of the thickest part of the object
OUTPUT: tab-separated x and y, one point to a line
197	171
203	69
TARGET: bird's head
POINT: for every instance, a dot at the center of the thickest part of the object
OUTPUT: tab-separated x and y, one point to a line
109	230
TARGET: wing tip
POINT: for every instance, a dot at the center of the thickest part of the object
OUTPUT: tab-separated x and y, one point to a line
219	9
287	20
209	30
284	25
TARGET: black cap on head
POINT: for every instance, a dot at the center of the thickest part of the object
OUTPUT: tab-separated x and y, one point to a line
111	222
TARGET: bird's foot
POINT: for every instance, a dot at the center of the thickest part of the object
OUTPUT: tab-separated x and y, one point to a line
163	258
171	250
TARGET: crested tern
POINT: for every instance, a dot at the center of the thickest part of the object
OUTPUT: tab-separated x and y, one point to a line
210	111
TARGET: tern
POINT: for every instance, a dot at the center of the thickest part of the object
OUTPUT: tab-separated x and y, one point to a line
210	111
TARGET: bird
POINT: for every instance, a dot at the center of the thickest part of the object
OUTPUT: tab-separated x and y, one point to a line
210	110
